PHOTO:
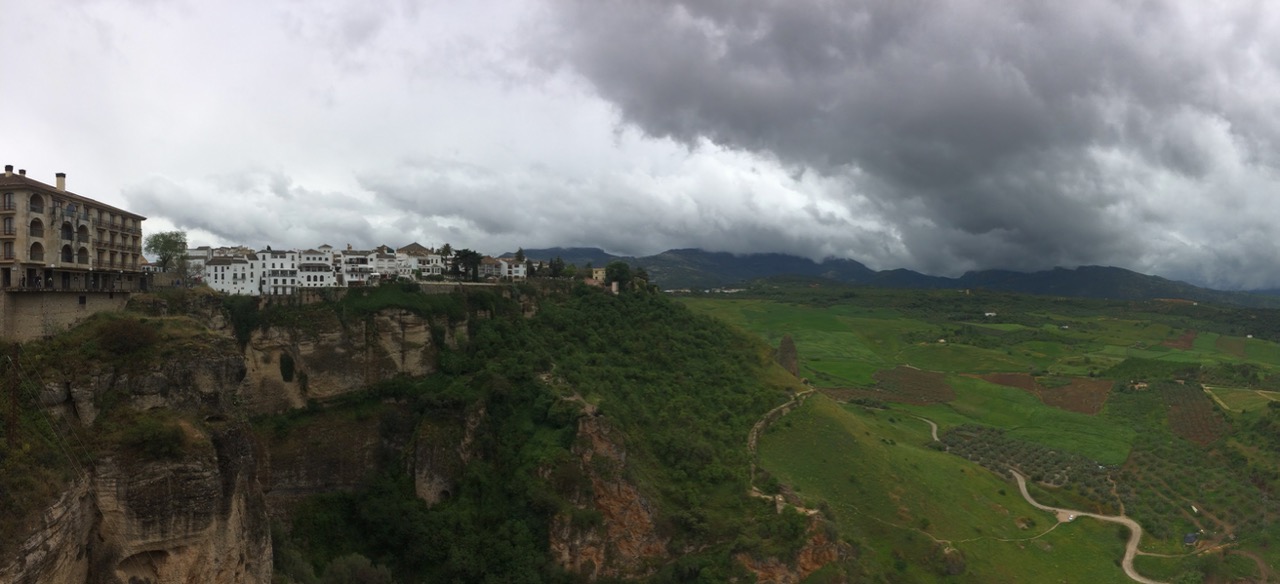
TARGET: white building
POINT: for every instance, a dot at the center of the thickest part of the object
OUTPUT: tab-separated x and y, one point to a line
512	270
315	268
279	272
355	267
233	275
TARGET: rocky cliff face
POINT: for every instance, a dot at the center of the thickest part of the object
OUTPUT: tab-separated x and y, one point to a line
286	366
819	550
200	518
56	550
624	541
195	515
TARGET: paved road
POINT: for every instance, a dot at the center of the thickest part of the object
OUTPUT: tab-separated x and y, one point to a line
1135	530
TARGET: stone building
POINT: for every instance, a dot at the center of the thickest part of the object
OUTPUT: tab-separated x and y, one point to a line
62	255
54	239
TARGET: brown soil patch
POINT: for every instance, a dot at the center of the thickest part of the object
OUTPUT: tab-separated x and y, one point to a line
1183	342
1083	394
1191	415
903	385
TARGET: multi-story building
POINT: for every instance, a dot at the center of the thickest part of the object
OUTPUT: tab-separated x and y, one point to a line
355	267
53	239
233	274
315	268
279	272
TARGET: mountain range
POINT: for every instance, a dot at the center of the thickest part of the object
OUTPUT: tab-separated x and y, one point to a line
696	269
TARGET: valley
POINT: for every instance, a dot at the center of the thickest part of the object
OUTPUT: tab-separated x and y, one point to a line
1156	410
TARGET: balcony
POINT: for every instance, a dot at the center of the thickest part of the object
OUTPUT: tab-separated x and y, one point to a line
68	235
37	208
82	238
10	231
37	256
35	231
9	206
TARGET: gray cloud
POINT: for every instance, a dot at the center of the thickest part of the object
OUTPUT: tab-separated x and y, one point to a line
1020	135
941	136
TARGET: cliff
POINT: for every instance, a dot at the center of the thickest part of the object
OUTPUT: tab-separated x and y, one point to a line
166	486
365	409
323	357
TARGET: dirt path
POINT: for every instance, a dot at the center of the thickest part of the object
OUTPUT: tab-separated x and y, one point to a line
933	428
1135	530
1214	396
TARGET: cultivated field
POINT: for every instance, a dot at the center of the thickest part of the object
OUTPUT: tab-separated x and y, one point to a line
1166	412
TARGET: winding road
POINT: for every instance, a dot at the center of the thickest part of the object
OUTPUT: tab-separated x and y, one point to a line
1135	530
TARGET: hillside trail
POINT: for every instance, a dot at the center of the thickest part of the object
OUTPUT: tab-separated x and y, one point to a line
753	438
933	428
1064	515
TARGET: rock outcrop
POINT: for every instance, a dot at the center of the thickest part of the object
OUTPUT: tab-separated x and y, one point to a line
620	540
56	549
200	518
288	365
197	518
819	550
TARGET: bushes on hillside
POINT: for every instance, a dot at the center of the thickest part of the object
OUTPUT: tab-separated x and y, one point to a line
125	336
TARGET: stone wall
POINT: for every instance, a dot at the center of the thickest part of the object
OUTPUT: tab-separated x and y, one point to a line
25	316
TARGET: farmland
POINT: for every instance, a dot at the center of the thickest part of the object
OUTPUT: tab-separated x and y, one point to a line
1164	411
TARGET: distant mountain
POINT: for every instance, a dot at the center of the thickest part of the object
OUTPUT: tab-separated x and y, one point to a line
697	269
578	256
693	268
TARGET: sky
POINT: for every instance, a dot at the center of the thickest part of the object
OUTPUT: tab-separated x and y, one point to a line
941	136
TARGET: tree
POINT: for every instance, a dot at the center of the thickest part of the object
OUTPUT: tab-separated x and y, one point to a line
557	267
520	255
467	261
618	271
169	247
446	250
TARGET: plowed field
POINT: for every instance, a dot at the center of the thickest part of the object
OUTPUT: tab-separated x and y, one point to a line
904	385
1082	395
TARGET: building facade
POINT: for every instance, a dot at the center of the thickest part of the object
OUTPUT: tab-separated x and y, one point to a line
53	239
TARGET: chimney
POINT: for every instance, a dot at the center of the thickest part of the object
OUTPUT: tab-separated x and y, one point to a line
22	172
62	181
8	170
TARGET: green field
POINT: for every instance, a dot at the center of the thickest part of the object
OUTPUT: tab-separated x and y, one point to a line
845	456
1161	446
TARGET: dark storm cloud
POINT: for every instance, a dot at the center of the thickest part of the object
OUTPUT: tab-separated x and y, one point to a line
634	213
989	134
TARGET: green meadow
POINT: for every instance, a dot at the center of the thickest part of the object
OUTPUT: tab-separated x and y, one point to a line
1187	438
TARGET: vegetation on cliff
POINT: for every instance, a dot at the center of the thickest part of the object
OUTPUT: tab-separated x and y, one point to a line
681	391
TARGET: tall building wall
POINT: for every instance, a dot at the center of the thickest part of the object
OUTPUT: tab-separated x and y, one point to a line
33	315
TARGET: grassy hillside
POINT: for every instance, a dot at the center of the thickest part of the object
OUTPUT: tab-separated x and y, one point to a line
1163	410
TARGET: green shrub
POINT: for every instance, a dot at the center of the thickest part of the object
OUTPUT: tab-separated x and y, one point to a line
125	336
154	437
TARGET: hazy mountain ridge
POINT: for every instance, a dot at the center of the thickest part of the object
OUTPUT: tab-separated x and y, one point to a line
698	269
